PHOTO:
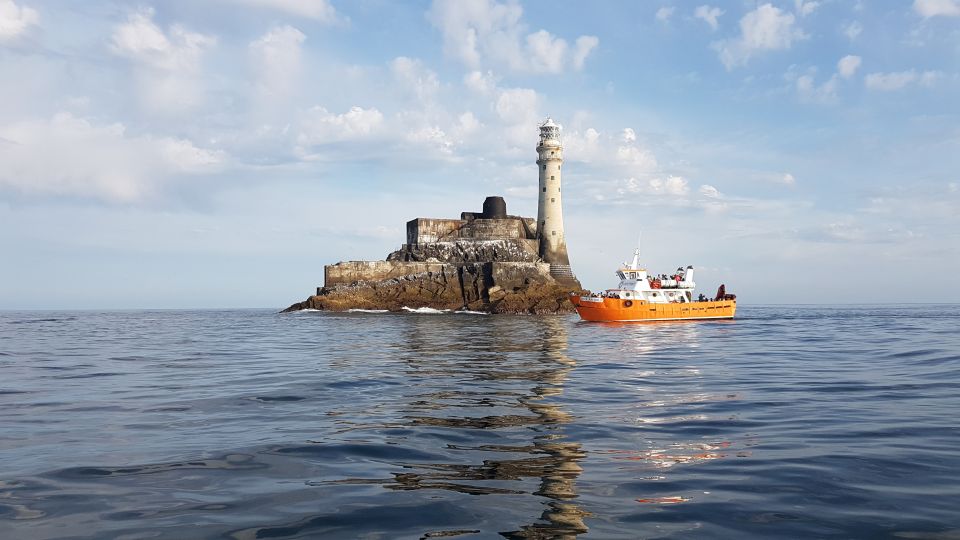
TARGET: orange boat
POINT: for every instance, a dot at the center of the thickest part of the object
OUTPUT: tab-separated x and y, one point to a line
641	297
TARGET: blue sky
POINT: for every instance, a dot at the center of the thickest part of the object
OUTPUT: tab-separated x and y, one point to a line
218	153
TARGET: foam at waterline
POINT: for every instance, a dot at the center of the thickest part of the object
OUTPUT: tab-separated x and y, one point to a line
468	312
428	310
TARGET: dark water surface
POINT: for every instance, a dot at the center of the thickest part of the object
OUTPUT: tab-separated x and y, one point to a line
805	422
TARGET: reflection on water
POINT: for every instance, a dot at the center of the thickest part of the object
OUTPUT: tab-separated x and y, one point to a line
552	458
500	384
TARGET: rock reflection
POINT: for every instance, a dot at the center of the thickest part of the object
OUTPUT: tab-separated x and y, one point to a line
498	374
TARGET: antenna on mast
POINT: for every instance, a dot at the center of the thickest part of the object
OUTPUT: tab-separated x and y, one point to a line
636	254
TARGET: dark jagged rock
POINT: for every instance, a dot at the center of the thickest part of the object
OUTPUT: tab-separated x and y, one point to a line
488	287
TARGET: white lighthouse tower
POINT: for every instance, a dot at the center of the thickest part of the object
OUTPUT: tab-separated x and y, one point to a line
553	246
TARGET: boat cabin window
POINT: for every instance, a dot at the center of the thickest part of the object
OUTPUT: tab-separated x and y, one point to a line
620	274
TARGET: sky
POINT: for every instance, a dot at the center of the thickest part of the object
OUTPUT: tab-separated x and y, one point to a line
218	153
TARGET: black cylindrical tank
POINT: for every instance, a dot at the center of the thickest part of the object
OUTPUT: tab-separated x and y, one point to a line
494	208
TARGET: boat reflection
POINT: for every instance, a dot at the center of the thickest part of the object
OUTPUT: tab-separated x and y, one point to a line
644	339
662	411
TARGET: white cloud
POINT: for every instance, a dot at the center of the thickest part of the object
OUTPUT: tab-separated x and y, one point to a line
810	92
584	146
467	123
416	79
709	191
888	82
805	8
636	157
676	185
168	65
319	10
518	105
611	154
853	30
431	137
547	52
787	179
933	8
15	20
482	32
142	41
709	15
673	185
67	155
664	13
480	82
276	58
182	156
319	126
766	28
584	46
848	65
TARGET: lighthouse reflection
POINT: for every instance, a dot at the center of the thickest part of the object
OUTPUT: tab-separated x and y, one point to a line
511	393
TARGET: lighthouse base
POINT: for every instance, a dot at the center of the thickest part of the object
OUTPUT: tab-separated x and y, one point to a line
564	274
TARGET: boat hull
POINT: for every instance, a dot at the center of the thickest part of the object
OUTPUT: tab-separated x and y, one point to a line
619	310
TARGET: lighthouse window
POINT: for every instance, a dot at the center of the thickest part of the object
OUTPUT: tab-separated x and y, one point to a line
551	177
552	199
544	190
553	233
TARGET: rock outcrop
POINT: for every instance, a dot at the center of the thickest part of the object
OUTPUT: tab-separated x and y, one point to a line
485	261
492	287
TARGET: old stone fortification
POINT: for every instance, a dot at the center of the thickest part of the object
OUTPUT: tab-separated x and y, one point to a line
485	261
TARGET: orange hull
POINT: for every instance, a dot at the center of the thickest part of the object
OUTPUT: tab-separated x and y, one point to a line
615	309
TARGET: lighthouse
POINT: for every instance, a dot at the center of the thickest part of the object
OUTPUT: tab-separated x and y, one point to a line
553	246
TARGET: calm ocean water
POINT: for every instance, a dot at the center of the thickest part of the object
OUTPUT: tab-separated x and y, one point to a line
803	422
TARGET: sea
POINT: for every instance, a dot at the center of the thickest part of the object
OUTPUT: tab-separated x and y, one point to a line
787	422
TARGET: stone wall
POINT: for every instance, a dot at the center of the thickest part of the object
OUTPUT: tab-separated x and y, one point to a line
422	231
350	272
493	229
426	230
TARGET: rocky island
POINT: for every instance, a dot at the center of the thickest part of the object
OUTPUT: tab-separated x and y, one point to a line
485	261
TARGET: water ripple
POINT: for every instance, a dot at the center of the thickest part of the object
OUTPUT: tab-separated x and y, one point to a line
827	422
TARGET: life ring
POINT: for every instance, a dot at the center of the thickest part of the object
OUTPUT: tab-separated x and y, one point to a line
627	303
